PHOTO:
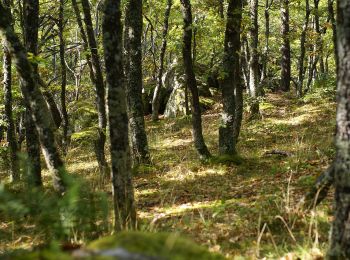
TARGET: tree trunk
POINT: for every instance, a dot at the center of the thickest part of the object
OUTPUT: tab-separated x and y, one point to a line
139	143
334	27
340	237
84	38
191	81
265	57
123	193
33	99
63	77
285	50
301	65
254	91
31	28
319	42
100	90
231	80
157	90
11	134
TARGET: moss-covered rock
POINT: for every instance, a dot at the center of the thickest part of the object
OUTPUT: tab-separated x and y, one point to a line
165	246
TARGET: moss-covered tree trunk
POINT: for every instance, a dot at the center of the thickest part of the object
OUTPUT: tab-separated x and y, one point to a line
33	99
123	193
100	89
285	49
133	50
340	238
157	90
231	80
31	27
8	116
191	81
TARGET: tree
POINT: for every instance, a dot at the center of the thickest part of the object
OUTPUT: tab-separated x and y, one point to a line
99	86
11	135
133	27
157	90
301	61
34	100
31	28
231	80
340	242
254	90
191	81
123	193
60	24
285	49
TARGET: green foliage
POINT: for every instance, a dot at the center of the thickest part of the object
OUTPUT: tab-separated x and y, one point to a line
72	216
323	89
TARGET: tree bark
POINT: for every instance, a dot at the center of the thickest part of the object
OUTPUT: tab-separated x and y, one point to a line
31	28
319	42
11	133
33	99
123	193
191	81
139	143
157	90
301	62
285	50
231	80
340	236
100	89
254	91
334	27
62	48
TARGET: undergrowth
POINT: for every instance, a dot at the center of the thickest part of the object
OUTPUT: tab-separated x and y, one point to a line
242	207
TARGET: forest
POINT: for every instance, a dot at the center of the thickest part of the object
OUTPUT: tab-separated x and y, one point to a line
175	129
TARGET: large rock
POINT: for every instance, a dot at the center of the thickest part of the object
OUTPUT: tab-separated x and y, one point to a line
127	246
176	105
140	245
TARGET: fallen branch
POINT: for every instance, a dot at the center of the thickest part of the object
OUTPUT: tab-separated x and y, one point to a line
278	152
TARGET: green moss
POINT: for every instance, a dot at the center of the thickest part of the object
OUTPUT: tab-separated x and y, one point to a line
170	246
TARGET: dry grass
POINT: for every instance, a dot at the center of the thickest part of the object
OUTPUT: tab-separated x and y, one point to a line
238	210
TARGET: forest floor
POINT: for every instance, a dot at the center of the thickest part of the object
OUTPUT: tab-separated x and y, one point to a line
245	206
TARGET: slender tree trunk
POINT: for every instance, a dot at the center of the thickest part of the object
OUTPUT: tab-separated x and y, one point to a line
301	65
191	81
254	91
334	27
100	89
31	27
11	133
139	143
33	99
231	80
123	193
319	42
157	91
63	77
268	4
285	50
84	38
340	236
